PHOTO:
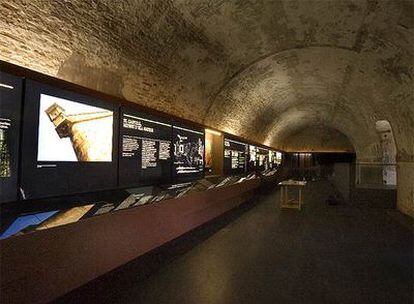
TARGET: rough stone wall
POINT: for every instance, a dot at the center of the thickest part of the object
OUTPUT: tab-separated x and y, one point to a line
317	139
238	65
405	187
260	69
342	179
144	51
298	88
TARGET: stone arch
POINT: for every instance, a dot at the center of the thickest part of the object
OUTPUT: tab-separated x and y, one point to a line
351	87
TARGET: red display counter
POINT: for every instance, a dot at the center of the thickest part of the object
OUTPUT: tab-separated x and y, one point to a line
41	266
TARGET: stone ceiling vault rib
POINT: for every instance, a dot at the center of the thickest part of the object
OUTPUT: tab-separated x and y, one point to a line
213	97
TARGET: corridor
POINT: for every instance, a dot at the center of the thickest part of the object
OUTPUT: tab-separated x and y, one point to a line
322	254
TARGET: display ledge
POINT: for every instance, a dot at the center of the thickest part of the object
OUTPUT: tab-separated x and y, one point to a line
39	267
31	216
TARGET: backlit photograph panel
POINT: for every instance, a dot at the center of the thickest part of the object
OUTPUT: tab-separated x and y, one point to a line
69	142
73	132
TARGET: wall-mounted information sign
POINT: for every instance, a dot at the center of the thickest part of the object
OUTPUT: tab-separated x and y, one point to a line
69	144
234	156
275	158
10	104
145	148
188	147
262	157
253	161
258	158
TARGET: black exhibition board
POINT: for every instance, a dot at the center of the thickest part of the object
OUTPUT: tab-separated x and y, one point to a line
188	149
258	158
276	159
69	144
253	159
262	157
145	147
235	156
10	120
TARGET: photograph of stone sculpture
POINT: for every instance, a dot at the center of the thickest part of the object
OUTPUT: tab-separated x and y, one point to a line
70	131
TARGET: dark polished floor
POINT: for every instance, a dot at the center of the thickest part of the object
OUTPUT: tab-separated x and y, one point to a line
323	254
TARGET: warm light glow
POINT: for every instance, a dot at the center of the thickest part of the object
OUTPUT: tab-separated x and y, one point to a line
6	86
213	132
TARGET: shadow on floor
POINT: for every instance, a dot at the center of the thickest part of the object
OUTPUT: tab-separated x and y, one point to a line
261	254
101	289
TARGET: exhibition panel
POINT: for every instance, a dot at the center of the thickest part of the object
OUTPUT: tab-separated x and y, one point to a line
188	152
74	140
69	142
258	158
264	161
276	159
262	157
253	160
235	159
10	108
85	154
274	162
145	148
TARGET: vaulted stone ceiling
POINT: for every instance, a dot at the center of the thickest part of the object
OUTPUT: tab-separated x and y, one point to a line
327	140
261	69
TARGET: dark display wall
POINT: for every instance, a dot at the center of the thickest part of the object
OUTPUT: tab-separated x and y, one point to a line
144	148
188	149
235	156
263	159
275	159
56	139
69	142
10	108
253	158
